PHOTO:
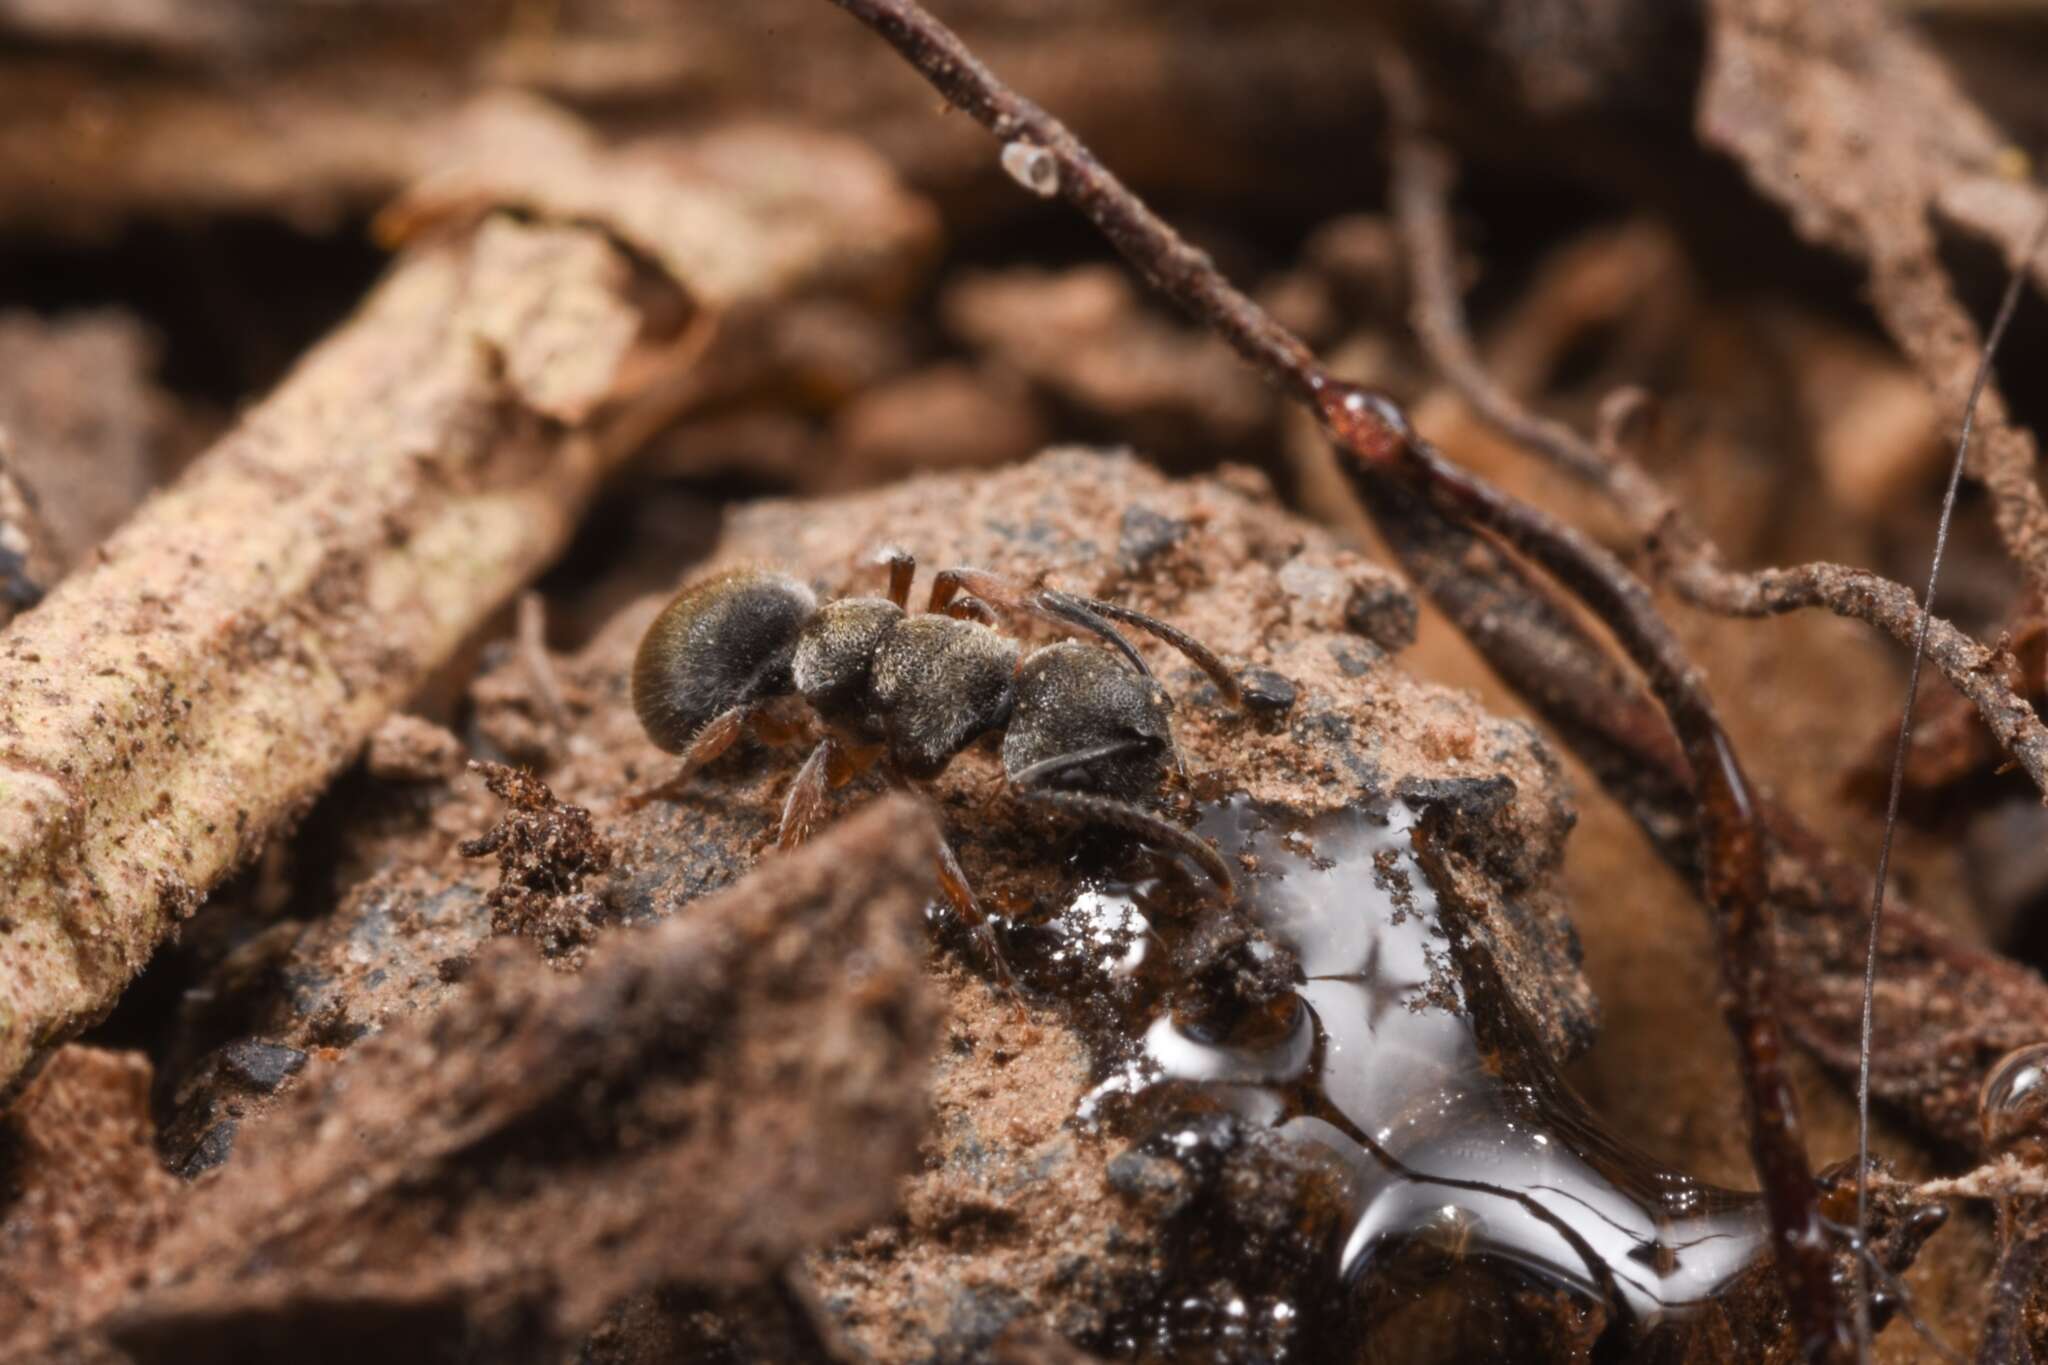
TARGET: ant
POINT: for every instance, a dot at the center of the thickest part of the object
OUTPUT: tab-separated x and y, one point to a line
1084	730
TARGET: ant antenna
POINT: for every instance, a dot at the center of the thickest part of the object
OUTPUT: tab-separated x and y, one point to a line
2006	306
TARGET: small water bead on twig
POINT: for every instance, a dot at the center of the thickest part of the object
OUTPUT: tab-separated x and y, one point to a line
2012	1108
1032	166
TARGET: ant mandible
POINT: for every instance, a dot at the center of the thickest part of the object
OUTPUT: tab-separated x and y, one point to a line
1084	730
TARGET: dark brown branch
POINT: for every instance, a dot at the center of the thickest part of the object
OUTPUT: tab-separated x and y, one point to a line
1680	553
1162	256
2022	1253
1378	444
1957	1007
1689	560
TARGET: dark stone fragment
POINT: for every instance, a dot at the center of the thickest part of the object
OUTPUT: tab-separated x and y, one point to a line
1153	1183
1353	659
1267	692
212	1149
1144	535
1470	798
1383	613
17	589
259	1065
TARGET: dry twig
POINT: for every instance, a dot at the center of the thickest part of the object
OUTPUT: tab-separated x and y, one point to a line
1679	551
1843	115
164	711
1687	558
707	1100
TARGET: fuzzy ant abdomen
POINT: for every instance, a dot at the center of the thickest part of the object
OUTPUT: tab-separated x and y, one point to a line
724	642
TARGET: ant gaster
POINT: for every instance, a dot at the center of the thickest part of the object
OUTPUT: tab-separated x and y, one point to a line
1084	730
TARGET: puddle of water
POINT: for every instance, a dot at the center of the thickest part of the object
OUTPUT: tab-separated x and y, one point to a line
1482	1206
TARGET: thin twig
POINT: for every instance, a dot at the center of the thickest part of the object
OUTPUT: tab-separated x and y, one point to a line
531	636
1690	560
1380	446
2002	1177
2006	307
1680	553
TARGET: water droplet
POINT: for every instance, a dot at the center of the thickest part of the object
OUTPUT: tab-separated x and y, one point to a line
1032	166
2013	1106
1462	1167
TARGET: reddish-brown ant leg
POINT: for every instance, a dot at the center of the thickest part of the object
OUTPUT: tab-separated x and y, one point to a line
953	882
806	795
949	583
1061	609
849	761
718	735
972	609
902	568
772	729
954	886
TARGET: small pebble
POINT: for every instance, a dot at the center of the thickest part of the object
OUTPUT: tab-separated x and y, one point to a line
213	1148
259	1065
1267	692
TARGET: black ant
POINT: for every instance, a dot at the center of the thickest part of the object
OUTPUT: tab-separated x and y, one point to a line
1084	730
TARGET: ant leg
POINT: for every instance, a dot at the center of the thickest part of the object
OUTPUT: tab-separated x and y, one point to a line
972	609
1058	608
806	795
949	583
902	568
1108	810
774	730
955	887
1198	653
960	895
718	735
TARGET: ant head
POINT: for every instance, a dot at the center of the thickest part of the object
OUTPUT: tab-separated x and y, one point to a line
1074	699
723	642
835	656
939	685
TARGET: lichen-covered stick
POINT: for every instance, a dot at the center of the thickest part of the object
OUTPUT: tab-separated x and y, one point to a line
1378	443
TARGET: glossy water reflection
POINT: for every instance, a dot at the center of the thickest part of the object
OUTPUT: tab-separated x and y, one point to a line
1404	1067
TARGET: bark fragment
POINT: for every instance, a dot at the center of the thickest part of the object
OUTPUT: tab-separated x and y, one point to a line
81	1192
164	711
1848	120
701	1104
